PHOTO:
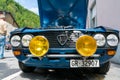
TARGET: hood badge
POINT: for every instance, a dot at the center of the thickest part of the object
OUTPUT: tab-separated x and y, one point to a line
62	38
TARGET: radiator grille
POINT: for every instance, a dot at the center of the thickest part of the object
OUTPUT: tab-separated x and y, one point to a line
53	41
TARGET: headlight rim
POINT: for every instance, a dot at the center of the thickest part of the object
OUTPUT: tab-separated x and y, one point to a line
104	37
46	51
107	40
93	51
22	40
19	40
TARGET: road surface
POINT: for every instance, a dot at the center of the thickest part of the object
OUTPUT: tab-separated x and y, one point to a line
9	70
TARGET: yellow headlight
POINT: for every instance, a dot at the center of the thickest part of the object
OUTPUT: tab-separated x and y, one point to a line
39	46
86	45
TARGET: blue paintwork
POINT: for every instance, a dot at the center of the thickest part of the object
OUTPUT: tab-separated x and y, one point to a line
42	30
63	12
62	63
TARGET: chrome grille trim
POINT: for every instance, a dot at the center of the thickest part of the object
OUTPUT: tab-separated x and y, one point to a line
64	55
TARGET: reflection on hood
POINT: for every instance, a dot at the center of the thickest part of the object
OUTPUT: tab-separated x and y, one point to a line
56	13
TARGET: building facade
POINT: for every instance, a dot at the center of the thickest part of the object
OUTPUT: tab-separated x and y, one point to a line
104	13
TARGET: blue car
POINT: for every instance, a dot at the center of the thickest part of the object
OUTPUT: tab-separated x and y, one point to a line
62	41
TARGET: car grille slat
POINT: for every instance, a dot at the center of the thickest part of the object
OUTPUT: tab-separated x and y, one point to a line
53	41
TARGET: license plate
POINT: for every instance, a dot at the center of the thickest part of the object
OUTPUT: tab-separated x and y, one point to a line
84	63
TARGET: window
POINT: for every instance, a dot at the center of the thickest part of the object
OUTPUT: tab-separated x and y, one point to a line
93	15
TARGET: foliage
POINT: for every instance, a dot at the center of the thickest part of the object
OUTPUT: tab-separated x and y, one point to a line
23	17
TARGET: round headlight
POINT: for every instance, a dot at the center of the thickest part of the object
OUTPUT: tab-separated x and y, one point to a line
26	39
100	38
15	41
86	45
39	46
112	40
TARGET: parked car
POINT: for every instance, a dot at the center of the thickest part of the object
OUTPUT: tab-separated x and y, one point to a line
63	40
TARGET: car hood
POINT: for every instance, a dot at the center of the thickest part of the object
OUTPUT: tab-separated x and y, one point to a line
56	13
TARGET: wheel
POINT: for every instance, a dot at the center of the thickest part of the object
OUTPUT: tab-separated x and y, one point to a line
103	69
25	68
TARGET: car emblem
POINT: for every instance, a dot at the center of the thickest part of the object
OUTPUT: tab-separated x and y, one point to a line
62	39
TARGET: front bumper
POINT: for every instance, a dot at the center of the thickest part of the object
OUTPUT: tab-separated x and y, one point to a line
59	58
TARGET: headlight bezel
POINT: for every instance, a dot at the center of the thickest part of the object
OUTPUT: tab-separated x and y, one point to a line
85	40
46	44
103	45
29	40
14	45
113	45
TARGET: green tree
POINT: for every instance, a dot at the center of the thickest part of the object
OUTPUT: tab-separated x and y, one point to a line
23	17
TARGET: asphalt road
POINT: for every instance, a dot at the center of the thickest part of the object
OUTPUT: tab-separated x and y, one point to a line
8	65
9	70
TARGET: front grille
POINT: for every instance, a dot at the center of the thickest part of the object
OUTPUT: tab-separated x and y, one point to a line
53	41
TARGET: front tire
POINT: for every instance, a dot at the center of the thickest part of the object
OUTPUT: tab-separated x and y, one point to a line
25	68
103	69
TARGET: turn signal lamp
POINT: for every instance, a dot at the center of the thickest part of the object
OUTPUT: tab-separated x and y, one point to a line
111	52
86	45
16	53
39	46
